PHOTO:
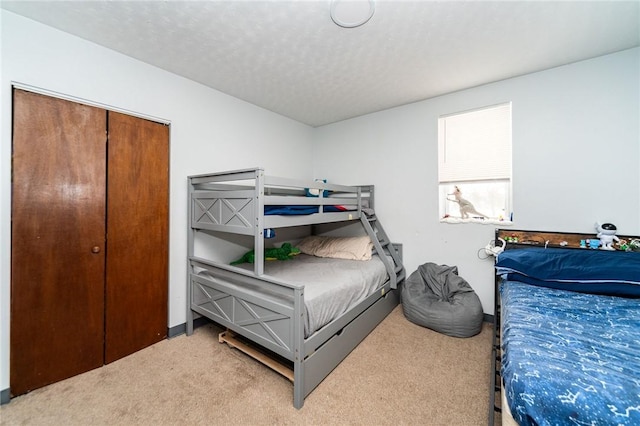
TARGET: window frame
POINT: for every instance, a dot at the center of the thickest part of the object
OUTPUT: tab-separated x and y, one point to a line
491	169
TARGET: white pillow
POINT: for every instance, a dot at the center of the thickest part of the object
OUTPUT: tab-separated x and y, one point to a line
352	248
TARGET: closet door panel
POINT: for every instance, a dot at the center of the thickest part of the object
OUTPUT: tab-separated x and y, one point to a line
57	240
137	235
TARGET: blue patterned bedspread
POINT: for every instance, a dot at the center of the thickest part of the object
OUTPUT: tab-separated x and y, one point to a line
570	358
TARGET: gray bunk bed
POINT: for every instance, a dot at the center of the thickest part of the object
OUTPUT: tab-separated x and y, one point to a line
255	303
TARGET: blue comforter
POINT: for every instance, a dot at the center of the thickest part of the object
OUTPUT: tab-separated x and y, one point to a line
570	358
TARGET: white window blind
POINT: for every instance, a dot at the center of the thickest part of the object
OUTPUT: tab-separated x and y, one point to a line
475	145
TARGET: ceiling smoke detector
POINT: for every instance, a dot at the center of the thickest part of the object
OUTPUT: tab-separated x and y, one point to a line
352	13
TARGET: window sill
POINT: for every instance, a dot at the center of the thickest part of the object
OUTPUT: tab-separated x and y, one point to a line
455	220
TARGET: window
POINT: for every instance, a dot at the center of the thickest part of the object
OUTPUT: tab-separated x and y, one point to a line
474	165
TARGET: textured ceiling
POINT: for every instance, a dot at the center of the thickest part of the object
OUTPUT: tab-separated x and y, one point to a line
289	57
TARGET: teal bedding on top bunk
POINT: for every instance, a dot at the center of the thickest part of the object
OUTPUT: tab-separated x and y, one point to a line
301	209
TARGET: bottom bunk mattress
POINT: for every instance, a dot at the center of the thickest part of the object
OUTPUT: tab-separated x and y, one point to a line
331	286
570	358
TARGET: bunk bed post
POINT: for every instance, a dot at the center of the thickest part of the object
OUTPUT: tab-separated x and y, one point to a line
496	359
258	236
298	349
190	253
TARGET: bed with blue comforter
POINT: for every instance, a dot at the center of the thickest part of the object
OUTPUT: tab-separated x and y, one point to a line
570	357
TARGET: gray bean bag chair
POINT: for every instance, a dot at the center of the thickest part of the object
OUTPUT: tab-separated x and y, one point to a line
434	296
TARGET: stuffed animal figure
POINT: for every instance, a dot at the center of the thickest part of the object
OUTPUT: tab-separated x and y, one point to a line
466	207
607	234
315	192
284	252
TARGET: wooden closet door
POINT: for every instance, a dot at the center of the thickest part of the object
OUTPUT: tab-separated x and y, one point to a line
57	240
137	235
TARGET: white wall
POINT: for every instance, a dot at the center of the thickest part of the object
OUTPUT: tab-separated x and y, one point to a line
210	131
576	160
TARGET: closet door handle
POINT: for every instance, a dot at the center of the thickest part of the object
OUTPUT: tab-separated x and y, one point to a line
95	249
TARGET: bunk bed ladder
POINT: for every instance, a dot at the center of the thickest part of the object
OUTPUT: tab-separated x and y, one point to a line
383	245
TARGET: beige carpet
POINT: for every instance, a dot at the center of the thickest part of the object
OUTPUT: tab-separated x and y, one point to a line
401	374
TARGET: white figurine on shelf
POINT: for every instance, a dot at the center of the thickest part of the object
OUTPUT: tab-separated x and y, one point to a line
607	234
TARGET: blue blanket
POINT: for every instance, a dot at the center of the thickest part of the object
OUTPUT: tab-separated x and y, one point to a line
570	358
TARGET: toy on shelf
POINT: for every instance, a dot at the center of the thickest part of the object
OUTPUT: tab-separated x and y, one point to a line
633	245
607	234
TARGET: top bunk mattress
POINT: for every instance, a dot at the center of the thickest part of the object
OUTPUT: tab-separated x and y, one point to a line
568	357
331	286
297	210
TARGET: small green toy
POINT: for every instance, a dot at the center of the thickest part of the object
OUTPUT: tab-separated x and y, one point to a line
284	252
